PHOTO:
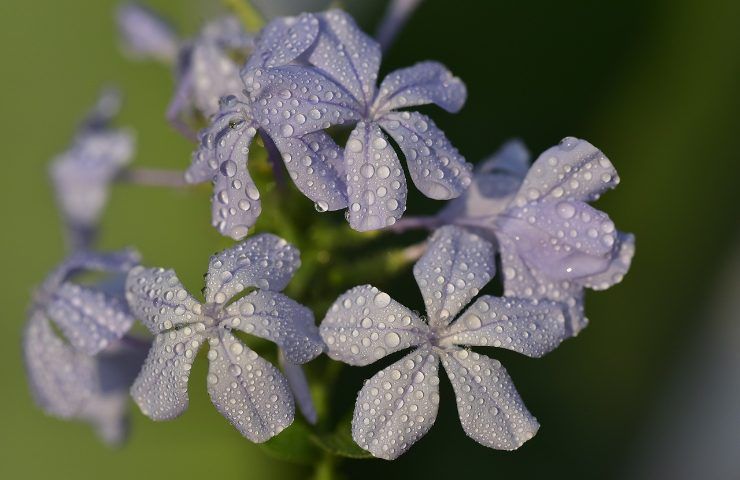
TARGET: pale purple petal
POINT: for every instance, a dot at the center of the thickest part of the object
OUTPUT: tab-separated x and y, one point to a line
61	378
420	84
247	390
299	386
491	411
219	139
563	239
214	75
281	41
235	205
574	169
398	405
145	34
376	186
108	415
316	165
523	281
437	168
495	182
347	54
365	324
279	319
265	261
82	175
292	100
530	327
159	300
227	32
161	389
456	265
89	319
623	251
120	261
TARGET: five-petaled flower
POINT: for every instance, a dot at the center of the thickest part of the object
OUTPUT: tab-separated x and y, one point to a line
306	74
87	374
249	391
552	243
398	405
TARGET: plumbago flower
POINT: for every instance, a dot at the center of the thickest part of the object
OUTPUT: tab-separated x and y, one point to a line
398	406
205	71
87	374
249	391
306	74
552	243
82	175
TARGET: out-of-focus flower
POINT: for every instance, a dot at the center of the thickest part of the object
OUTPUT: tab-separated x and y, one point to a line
82	175
144	34
206	69
398	405
552	243
249	391
66	380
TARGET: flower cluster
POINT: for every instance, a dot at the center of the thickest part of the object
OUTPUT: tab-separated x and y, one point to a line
294	84
309	73
552	244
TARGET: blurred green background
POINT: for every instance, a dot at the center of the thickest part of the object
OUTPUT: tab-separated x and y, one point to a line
654	84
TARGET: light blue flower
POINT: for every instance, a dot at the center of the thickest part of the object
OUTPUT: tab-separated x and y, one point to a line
552	243
86	374
249	391
398	405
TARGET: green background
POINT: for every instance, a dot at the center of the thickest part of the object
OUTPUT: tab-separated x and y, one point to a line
654	84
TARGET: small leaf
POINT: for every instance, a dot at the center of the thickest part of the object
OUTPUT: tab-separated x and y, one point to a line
294	444
340	442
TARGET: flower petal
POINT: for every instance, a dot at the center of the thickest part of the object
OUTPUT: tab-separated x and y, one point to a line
161	389
89	319
283	40
495	182
574	169
145	34
437	168
247	390
108	415
218	141
523	281
215	75
265	261
565	240
120	261
279	319
61	378
624	250
227	32
376	186
299	386
456	265
83	174
365	324
491	411
159	300
530	327
420	84
398	405
293	100
347	54
316	165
